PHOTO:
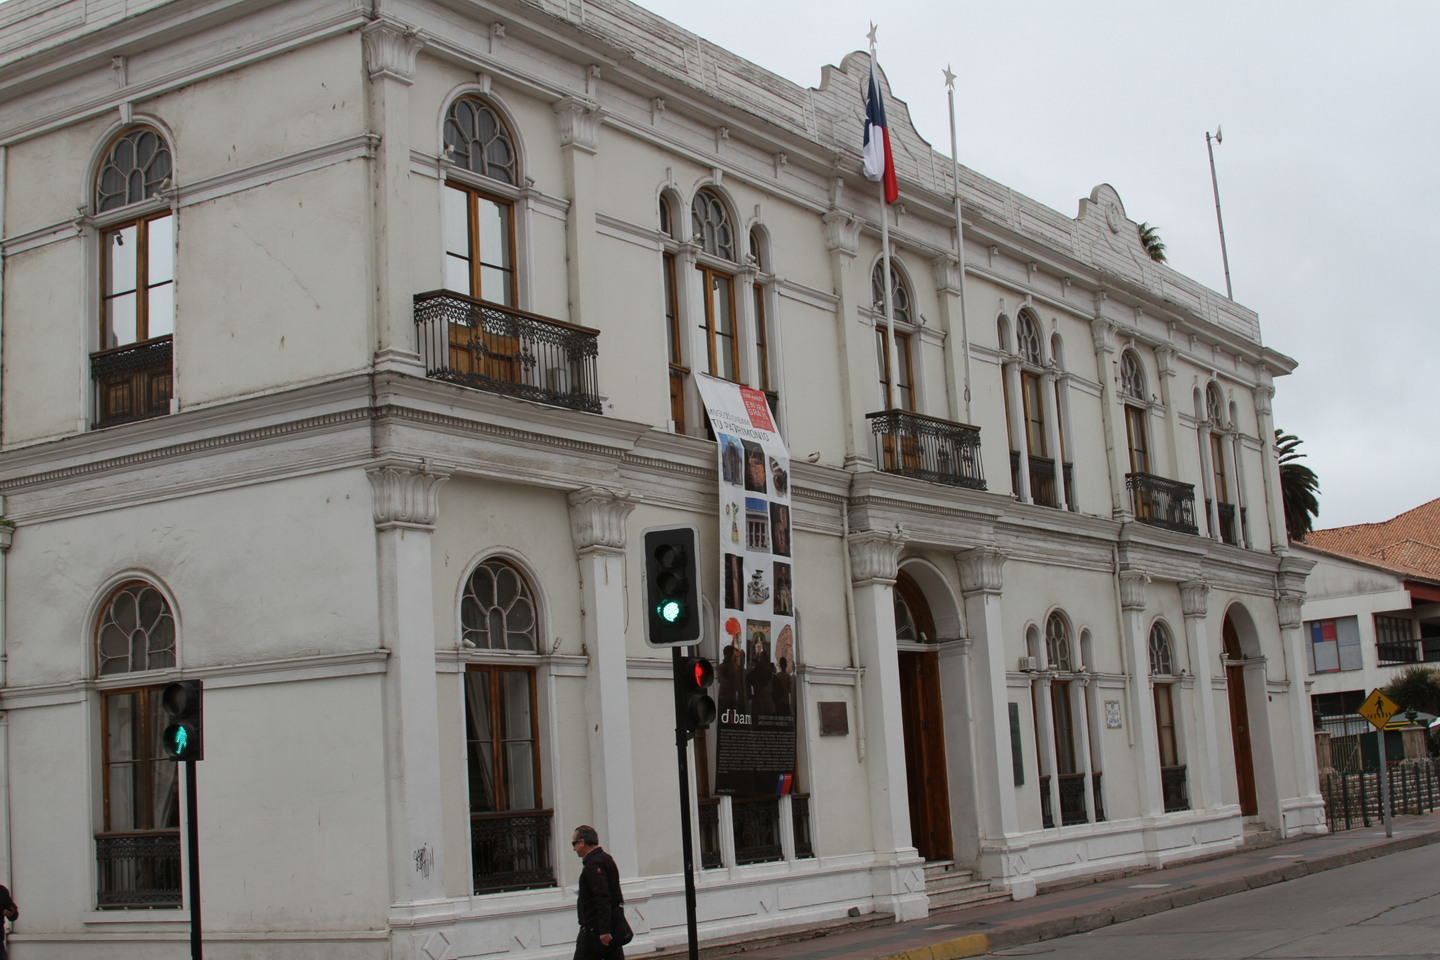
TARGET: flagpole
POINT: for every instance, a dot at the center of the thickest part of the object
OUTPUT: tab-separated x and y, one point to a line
892	365
1215	185
959	237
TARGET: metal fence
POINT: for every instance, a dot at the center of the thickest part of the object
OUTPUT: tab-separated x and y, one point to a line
1354	799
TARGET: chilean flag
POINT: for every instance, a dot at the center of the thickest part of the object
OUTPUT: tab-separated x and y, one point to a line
879	163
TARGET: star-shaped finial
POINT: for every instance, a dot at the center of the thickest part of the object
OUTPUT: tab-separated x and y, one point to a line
949	77
871	34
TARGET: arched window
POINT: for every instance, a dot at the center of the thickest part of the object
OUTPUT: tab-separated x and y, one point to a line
903	396
497	610
1162	655
1137	433
1057	644
509	829
1224	508
1027	337
1162	678
479	223
133	371
1027	341
135	635
710	219
477	139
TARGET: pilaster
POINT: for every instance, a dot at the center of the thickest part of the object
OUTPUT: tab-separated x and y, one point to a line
1205	784
598	528
982	582
579	125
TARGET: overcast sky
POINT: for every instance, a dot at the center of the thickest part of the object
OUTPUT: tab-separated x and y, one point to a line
1329	171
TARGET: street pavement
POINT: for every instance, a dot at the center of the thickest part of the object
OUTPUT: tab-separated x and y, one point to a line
976	930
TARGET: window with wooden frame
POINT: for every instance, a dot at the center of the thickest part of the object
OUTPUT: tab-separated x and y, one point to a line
902	396
138	844
674	336
478	229
1137	432
133	370
762	320
1162	673
710	220
511	830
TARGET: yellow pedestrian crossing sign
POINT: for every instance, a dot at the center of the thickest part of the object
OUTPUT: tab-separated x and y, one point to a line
1378	709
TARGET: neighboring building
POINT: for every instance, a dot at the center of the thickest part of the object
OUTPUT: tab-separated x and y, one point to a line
1372	605
347	351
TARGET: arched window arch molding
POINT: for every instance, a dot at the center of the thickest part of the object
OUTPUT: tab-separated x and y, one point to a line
1030	339
1054	656
1245	632
545	645
95	611
738	236
1171	659
166	197
1004	336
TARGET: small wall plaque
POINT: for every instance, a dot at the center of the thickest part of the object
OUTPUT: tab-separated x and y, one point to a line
834	720
1112	714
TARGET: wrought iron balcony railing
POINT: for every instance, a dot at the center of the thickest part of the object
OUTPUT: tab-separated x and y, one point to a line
1173	788
1392	652
800	821
927	448
1042	480
1072	799
138	870
1162	503
133	382
757	829
494	348
511	851
710	856
1229	531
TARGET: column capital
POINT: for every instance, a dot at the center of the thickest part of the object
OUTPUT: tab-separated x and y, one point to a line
579	124
597	519
406	494
982	571
1102	332
842	233
1287	607
1132	589
1194	598
391	50
875	556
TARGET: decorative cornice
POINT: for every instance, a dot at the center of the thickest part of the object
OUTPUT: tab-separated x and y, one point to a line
875	556
597	519
406	495
1194	598
579	124
1132	589
391	51
982	571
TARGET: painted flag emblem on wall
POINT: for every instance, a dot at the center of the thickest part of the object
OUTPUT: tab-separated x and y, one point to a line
879	162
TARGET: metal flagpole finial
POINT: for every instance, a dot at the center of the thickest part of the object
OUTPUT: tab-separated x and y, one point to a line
871	35
949	77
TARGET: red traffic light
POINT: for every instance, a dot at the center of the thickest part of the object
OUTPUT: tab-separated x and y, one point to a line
694	708
703	672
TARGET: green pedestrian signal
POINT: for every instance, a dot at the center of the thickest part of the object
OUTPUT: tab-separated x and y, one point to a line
183	737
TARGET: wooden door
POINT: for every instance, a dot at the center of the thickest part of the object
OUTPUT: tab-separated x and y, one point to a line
1239	722
925	754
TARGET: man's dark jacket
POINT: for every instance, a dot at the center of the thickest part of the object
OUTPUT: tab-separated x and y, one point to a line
599	892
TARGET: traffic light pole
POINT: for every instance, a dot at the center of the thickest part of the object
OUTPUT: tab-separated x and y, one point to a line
192	814
687	843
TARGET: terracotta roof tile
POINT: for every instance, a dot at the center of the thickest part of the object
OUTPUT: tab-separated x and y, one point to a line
1409	543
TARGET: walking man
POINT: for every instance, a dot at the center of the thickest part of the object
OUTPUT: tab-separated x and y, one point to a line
599	898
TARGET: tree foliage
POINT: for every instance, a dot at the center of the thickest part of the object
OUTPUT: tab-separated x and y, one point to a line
1418	688
1150	240
1299	487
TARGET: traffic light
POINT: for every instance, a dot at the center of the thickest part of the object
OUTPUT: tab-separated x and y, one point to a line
672	587
694	708
183	737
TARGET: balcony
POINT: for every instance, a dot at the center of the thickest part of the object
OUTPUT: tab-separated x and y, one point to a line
1042	480
1174	788
511	851
499	350
1162	503
927	448
133	382
757	829
137	870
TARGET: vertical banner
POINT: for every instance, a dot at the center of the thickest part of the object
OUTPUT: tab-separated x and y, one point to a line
755	732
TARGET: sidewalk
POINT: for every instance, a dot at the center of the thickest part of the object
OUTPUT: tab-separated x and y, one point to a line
972	931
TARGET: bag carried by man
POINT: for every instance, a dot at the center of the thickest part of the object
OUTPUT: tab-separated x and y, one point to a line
620	932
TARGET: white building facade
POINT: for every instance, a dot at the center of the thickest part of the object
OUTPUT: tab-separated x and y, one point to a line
347	349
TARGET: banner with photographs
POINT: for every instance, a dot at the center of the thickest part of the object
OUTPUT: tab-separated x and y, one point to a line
756	673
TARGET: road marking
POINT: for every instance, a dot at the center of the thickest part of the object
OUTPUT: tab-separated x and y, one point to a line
1148	886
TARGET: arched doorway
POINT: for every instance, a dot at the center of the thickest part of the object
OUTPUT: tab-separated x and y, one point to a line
923	723
1239	718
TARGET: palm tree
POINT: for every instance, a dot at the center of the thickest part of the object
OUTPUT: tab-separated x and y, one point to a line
1299	487
1150	240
